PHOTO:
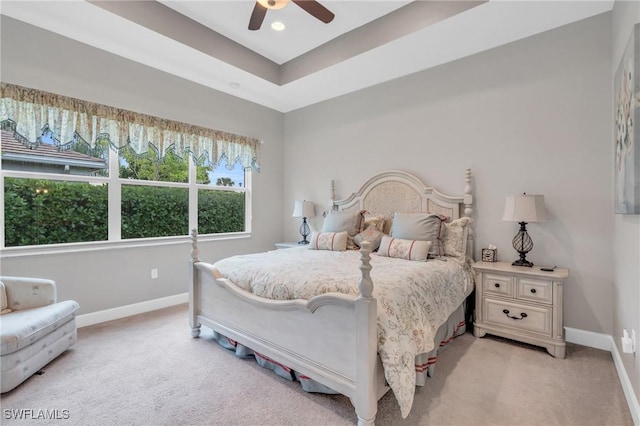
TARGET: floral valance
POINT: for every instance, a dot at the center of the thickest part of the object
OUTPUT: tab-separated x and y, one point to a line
67	120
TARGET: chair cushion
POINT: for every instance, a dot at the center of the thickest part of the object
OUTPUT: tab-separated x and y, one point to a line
22	328
3	300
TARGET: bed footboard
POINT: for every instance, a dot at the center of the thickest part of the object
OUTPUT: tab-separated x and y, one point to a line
307	336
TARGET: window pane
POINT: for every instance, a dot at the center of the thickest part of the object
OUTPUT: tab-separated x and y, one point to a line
38	211
222	176
75	158
149	166
220	211
149	211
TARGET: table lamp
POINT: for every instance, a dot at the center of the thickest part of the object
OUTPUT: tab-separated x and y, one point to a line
304	209
524	209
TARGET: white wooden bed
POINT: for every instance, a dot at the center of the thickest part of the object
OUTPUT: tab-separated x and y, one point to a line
309	335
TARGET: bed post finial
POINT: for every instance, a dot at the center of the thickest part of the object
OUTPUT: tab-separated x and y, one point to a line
366	285
468	210
468	191
333	195
194	245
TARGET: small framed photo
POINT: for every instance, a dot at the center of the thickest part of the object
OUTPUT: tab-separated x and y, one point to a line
489	255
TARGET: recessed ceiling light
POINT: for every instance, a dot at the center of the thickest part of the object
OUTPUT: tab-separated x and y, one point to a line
277	26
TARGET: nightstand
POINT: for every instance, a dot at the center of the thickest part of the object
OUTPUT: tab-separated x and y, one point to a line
520	303
289	245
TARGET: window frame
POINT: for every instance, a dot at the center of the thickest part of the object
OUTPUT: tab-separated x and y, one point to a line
114	184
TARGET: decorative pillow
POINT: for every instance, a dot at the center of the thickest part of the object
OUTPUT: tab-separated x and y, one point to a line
404	249
377	221
371	234
3	300
420	226
455	237
334	241
351	222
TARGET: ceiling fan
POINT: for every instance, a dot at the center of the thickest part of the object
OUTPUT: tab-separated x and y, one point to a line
310	6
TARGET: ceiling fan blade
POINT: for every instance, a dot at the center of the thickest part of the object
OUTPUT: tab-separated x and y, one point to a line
257	16
316	9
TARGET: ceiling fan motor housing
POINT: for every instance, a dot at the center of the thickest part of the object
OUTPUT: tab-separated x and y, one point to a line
273	4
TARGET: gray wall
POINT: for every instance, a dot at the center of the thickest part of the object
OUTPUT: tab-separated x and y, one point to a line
626	232
532	116
109	278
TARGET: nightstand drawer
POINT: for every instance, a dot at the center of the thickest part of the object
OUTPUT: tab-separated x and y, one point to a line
498	284
536	319
535	290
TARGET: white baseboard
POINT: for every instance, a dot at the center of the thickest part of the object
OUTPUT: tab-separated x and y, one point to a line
606	342
128	310
588	338
632	400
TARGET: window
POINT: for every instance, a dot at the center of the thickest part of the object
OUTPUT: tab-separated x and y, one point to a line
149	211
154	200
44	211
114	180
221	199
41	206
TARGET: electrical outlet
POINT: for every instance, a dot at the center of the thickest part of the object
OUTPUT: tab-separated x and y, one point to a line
154	273
627	342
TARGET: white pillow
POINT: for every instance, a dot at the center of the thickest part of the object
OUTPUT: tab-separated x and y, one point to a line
404	249
351	222
334	241
342	221
420	226
455	238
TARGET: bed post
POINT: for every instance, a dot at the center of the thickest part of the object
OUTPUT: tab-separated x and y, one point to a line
468	211
366	401
194	287
333	195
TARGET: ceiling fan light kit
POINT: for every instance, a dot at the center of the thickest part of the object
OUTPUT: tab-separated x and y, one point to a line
312	7
273	4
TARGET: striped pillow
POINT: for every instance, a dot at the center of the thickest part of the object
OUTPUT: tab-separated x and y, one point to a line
334	241
404	249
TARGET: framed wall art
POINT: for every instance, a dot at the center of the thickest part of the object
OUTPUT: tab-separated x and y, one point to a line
627	128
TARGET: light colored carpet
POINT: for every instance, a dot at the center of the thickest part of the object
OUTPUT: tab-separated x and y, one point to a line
147	370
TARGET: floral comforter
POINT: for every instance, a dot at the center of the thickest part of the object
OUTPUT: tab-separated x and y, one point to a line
414	298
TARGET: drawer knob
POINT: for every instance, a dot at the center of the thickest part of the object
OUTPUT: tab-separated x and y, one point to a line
497	285
533	290
523	315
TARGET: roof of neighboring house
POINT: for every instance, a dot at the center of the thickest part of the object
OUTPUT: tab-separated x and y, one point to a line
12	149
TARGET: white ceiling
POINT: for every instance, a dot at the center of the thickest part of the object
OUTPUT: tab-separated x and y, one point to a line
367	43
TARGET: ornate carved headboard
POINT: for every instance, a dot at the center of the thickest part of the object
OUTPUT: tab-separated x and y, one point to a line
395	191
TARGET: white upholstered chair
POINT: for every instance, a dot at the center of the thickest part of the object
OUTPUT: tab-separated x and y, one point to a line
34	327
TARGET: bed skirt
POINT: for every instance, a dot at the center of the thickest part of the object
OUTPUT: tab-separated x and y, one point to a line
425	363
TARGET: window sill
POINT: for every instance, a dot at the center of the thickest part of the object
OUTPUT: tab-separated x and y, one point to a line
9	252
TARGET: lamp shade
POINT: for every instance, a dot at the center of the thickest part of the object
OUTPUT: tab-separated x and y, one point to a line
524	208
303	208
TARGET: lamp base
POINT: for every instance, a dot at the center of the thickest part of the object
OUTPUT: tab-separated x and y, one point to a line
521	262
304	231
522	243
